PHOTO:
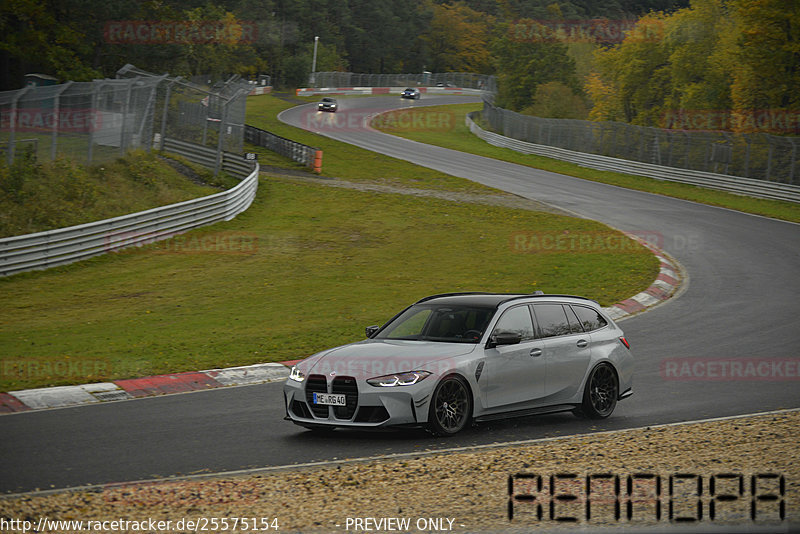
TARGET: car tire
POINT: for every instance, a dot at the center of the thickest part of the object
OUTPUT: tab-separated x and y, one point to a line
451	407
600	394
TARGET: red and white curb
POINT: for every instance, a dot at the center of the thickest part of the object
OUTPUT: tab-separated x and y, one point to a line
665	286
670	278
133	388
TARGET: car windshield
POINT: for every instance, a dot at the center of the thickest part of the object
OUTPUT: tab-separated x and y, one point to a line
442	323
328	100
408	90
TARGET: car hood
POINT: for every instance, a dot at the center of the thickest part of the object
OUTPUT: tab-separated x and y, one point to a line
376	357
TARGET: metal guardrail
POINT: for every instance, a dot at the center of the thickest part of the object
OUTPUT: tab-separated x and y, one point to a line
207	157
307	155
67	245
723	182
754	155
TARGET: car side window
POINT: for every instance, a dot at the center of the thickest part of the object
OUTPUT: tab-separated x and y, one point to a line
551	319
574	324
517	320
589	318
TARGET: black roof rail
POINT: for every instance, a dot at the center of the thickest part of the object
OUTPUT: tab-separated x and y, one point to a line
456	294
543	294
511	296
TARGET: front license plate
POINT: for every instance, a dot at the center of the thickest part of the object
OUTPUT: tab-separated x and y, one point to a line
330	399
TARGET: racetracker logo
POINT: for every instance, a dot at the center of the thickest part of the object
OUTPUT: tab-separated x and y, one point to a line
730	369
236	243
773	121
46	120
61	368
584	31
400	120
182	32
582	242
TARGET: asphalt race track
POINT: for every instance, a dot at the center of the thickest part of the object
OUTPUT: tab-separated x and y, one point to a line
741	302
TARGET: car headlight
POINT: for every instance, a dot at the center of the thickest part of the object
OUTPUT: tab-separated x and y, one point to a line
296	375
399	379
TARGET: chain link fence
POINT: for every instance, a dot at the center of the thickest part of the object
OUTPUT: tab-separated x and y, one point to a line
760	156
464	80
97	121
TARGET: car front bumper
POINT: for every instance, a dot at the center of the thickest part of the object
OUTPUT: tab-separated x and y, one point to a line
367	406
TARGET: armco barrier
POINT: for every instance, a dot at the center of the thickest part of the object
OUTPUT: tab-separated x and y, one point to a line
66	245
307	155
723	182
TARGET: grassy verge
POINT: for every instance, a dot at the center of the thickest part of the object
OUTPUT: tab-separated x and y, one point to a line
315	265
43	196
457	137
305	268
345	160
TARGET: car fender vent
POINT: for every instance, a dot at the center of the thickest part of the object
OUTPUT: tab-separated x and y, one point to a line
478	371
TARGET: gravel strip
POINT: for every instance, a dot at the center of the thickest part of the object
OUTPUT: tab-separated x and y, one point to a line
472	488
500	199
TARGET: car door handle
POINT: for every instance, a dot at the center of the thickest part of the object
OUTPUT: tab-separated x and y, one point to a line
536	352
583	343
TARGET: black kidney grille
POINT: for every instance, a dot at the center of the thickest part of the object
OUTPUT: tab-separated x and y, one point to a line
316	384
348	386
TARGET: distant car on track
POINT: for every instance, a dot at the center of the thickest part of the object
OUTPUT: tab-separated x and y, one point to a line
411	92
450	359
328	104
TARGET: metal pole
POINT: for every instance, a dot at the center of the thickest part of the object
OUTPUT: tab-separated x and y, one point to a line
151	103
125	111
95	88
314	62
56	111
13	125
220	145
164	114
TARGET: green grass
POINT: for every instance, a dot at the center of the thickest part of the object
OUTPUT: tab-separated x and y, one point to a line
305	268
42	196
345	160
326	262
458	137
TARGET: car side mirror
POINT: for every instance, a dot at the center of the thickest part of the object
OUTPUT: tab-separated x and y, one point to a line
371	330
504	338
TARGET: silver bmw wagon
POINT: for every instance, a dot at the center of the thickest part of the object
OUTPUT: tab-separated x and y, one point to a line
451	359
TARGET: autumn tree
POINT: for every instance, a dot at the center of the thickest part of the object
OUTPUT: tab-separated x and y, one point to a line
766	66
457	39
523	61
